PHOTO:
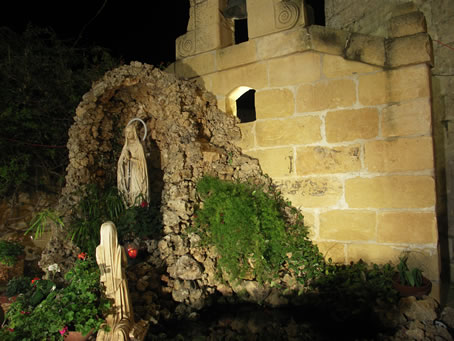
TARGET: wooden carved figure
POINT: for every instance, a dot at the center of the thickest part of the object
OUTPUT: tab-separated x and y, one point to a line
132	173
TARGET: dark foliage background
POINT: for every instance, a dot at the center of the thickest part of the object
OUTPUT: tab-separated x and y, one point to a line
42	80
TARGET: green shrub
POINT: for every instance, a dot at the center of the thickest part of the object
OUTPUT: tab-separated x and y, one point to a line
10	252
142	220
18	285
98	205
356	283
252	232
95	207
45	312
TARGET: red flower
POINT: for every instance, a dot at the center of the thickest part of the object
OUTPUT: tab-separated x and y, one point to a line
144	204
35	279
82	255
11	329
64	330
132	252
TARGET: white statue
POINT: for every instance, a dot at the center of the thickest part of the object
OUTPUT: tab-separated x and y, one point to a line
111	258
132	173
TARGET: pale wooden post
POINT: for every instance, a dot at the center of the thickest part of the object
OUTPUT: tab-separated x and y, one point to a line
112	261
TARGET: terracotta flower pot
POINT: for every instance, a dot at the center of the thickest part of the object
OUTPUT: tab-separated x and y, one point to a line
76	336
406	290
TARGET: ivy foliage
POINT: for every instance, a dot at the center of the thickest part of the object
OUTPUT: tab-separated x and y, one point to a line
253	232
258	235
42	80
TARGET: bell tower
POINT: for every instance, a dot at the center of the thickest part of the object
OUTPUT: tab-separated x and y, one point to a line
211	23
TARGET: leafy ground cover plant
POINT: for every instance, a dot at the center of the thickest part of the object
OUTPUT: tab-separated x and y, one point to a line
10	252
259	235
355	286
18	285
253	232
46	312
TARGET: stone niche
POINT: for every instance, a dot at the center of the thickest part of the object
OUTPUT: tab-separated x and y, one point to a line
188	137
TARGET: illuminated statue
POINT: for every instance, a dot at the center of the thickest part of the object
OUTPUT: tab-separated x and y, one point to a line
112	261
132	173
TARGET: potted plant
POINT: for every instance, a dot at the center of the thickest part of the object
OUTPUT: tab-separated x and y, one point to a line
11	260
410	282
46	312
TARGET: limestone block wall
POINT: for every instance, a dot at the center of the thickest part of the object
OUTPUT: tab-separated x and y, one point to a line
344	127
368	16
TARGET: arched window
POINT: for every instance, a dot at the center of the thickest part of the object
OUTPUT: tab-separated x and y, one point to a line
245	107
241	103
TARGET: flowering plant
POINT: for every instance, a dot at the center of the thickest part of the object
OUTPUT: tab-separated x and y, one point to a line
46	312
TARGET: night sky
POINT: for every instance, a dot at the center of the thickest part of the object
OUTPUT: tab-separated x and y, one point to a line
134	30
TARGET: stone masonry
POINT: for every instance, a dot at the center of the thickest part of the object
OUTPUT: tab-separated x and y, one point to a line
343	122
376	18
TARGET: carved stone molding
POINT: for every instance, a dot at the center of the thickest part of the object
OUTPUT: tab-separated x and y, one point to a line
286	14
186	44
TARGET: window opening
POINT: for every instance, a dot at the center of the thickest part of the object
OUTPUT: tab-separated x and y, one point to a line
241	33
316	12
236	10
245	107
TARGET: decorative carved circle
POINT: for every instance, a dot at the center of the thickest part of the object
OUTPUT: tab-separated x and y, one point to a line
186	45
286	15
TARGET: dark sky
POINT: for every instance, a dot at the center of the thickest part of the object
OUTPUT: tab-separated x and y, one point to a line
136	30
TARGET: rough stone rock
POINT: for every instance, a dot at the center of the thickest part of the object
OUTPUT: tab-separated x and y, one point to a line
188	268
275	299
447	316
179	295
421	310
142	268
257	292
61	252
415	334
142	284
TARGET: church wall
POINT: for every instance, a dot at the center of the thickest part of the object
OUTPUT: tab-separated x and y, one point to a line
372	17
344	128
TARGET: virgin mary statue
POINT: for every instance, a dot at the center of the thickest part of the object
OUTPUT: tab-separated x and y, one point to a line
132	174
112	260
